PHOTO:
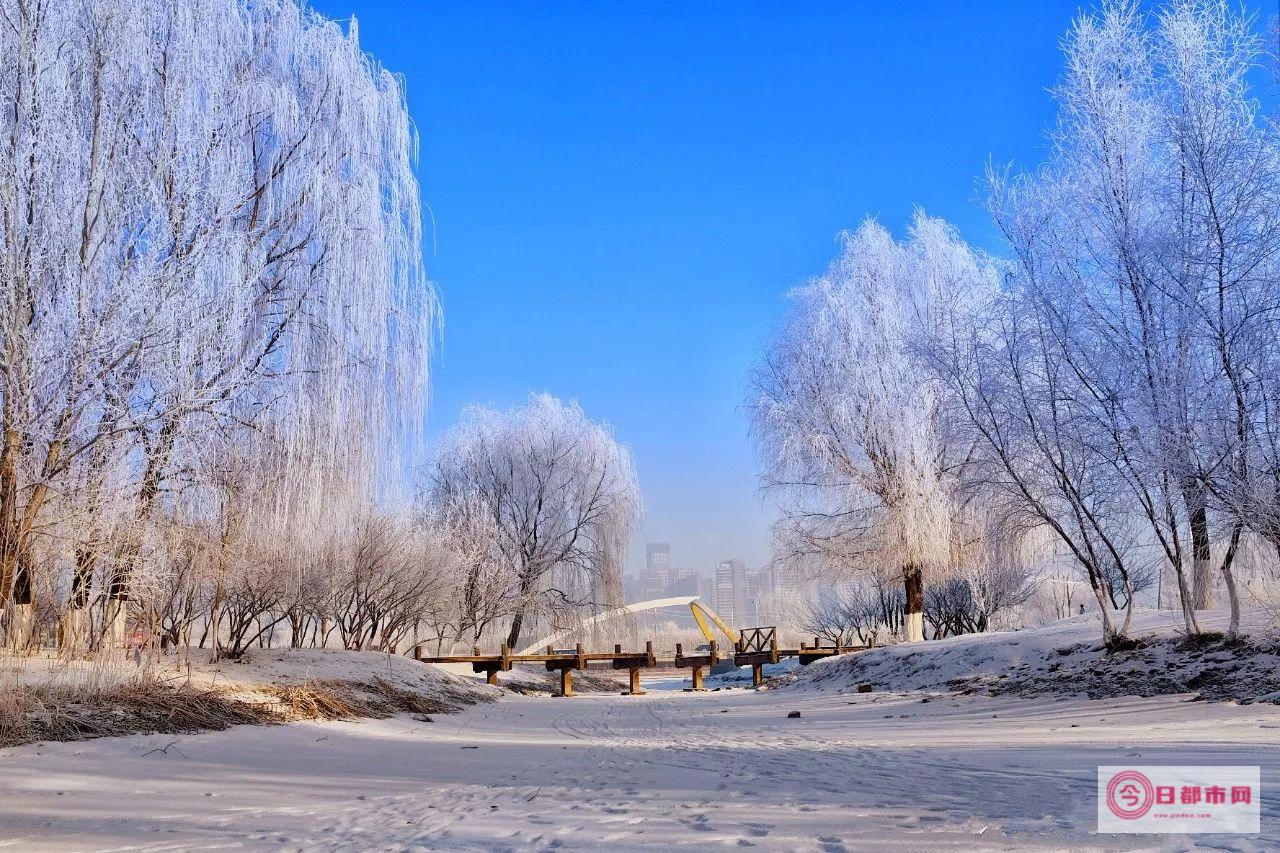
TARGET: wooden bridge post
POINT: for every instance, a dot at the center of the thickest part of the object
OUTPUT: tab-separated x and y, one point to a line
491	677
633	682
757	674
566	682
696	678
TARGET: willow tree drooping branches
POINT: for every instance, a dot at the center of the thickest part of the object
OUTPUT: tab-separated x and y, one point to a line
847	416
212	308
559	496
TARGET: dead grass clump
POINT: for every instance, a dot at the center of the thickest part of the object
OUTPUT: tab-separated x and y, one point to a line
1124	644
33	713
325	699
409	701
330	699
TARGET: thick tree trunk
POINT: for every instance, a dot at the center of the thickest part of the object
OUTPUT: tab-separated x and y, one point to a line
73	630
22	622
9	532
114	616
73	627
1201	558
913	583
513	636
118	587
22	619
528	583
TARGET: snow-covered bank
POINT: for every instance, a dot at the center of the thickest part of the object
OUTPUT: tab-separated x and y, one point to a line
42	698
1067	657
662	771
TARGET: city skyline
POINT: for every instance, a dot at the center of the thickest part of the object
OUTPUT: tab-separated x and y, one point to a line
738	593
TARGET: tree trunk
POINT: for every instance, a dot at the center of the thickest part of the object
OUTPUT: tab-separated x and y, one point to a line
9	532
513	636
73	627
1201	559
528	582
23	619
115	613
73	630
1185	600
1233	597
1233	593
913	583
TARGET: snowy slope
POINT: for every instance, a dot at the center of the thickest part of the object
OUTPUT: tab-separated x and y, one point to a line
1067	657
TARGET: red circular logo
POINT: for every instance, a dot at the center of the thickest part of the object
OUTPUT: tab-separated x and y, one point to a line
1130	795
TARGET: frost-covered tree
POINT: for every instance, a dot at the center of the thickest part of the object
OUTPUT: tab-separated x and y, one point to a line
846	415
209	257
1147	252
560	497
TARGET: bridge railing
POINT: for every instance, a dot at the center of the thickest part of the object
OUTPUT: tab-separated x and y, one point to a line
757	640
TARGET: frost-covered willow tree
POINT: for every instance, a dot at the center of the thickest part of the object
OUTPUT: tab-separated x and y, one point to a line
558	496
213	317
847	416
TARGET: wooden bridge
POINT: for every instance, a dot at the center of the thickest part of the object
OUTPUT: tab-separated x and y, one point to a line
755	648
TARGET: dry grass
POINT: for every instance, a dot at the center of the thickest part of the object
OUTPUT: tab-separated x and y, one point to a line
349	700
30	714
58	700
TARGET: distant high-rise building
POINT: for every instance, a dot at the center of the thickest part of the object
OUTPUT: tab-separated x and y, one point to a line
657	556
657	570
755	583
729	593
683	582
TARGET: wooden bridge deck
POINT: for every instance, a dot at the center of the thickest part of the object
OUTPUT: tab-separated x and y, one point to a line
755	648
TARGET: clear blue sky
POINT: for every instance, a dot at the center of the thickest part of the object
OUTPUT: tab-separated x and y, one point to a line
623	192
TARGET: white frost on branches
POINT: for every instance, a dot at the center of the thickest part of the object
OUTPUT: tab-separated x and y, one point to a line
847	415
556	497
214	315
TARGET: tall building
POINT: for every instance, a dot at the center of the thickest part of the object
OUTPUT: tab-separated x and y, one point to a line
657	556
657	570
755	583
729	593
683	582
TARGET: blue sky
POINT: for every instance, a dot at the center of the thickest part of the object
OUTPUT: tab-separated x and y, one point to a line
623	192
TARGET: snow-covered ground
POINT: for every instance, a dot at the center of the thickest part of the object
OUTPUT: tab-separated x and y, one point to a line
669	769
1067	657
243	677
911	766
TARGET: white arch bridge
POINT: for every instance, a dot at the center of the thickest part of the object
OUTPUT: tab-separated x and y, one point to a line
701	613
